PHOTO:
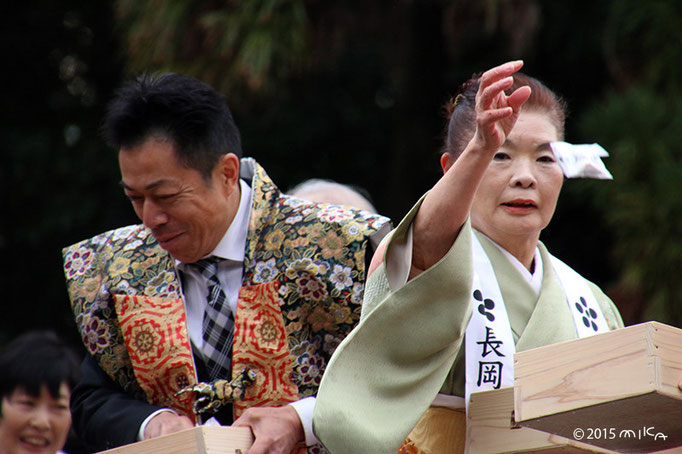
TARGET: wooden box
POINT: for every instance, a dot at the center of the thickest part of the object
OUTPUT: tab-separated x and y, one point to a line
199	440
616	390
491	429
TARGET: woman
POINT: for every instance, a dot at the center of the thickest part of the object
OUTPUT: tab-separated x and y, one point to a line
37	373
466	259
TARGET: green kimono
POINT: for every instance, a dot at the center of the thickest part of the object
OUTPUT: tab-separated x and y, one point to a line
409	345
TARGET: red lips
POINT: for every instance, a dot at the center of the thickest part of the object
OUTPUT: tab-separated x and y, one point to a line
521	203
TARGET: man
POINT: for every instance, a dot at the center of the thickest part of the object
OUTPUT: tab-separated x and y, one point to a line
228	279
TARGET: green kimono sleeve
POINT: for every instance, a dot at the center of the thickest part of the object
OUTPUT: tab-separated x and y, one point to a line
386	373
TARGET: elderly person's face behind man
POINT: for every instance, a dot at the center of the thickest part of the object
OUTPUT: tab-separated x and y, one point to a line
187	214
34	424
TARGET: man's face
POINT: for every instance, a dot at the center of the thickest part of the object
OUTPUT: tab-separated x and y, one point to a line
34	424
187	215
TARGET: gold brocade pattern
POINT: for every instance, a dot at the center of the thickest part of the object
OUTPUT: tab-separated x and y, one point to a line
260	344
439	431
125	261
155	332
408	447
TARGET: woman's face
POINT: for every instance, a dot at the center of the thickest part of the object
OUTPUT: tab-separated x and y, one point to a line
34	425
519	191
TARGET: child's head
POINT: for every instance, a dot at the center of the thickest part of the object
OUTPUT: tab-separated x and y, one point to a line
37	373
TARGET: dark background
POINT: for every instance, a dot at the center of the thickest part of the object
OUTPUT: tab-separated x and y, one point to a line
351	91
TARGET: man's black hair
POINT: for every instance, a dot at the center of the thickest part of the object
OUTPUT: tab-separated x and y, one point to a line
190	113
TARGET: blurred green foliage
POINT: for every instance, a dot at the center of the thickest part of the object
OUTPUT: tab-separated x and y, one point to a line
238	47
640	121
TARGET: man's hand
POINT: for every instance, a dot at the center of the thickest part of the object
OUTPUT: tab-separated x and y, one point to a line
166	423
277	429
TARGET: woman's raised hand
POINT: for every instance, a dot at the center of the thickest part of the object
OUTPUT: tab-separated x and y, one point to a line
496	113
446	207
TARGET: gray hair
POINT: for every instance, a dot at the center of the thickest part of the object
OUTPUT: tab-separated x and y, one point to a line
328	191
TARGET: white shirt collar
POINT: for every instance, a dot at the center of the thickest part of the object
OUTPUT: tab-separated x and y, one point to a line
233	243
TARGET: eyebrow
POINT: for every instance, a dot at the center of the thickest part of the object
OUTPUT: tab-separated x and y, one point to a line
541	147
152	185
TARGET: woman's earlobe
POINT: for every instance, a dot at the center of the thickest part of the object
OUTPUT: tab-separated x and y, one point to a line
445	163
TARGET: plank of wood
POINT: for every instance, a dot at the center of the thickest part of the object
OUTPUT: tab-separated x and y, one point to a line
618	390
491	429
198	440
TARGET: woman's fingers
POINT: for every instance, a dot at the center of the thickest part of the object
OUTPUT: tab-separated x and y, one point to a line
495	81
520	96
500	72
490	117
488	128
492	96
495	111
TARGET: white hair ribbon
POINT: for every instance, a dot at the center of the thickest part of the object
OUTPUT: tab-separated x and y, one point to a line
581	161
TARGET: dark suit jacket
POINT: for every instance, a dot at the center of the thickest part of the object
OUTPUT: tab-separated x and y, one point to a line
105	417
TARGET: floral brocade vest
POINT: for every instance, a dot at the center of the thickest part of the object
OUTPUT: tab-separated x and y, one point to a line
311	257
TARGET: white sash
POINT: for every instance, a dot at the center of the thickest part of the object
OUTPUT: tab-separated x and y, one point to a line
489	342
585	310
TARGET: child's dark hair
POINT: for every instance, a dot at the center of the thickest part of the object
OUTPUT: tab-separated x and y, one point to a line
34	359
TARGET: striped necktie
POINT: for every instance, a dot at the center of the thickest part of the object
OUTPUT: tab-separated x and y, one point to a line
218	323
